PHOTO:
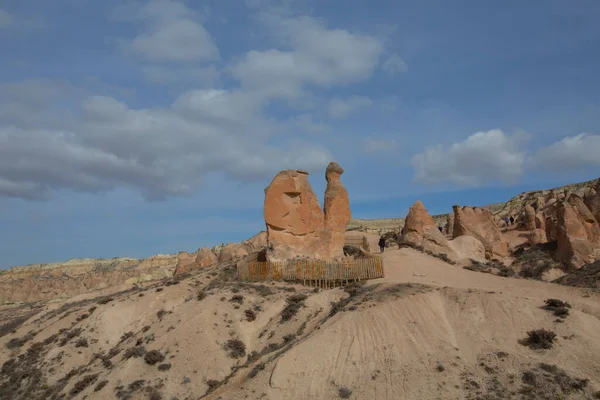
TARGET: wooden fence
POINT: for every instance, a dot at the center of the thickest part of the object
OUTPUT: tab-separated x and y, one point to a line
323	274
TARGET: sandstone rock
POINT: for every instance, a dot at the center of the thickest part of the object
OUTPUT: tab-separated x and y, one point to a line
449	228
468	248
592	201
256	242
529	217
185	263
538	236
296	225
420	230
479	223
578	233
337	209
232	251
540	221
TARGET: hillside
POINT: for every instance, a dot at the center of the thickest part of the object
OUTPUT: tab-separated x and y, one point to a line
512	207
427	330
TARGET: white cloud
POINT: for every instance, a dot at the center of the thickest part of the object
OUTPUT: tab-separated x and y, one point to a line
197	76
173	33
340	108
316	56
482	157
394	64
570	153
373	145
6	19
159	151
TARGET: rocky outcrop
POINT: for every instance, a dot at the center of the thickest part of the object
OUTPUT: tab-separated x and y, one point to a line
529	217
186	262
420	230
449	228
592	201
256	243
296	225
479	223
67	279
232	251
537	236
578	233
468	248
204	257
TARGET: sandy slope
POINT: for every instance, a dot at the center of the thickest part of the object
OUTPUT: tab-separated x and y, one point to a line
428	330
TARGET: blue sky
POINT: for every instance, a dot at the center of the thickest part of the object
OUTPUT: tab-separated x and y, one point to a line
131	128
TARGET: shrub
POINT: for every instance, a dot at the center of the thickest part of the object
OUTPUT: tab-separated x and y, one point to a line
126	336
100	386
345	392
294	303
201	296
161	313
83	383
558	307
105	300
289	338
164	367
254	371
135	352
250	315
153	356
82	342
236	348
539	339
238	298
212	384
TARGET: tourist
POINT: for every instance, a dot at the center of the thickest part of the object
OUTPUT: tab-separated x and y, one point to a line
381	244
441	229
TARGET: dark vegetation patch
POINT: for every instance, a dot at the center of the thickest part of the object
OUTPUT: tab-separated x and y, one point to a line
236	348
533	262
294	303
135	352
100	386
586	276
238	298
344	392
161	313
105	300
550	382
15	343
212	385
558	307
15	323
82	384
491	267
250	315
255	370
81	342
539	339
153	356
164	367
68	335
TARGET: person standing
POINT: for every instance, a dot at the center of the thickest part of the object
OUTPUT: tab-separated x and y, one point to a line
381	244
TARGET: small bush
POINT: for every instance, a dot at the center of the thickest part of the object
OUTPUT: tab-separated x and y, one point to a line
201	296
539	339
135	352
289	338
153	356
100	386
250	315
105	300
19	342
344	392
82	342
164	367
236	348
212	385
238	298
294	303
83	383
160	314
558	307
254	371
126	336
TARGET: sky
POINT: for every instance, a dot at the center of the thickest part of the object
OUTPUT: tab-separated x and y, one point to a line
133	128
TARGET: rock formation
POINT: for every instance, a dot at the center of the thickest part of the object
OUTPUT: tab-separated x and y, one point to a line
479	223
204	257
256	243
296	225
232	251
537	236
529	217
592	201
578	233
420	230
449	228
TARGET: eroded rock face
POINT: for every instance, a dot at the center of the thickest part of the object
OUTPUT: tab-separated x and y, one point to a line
187	262
529	217
537	236
479	223
232	251
256	243
592	201
296	225
578	233
420	230
74	277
